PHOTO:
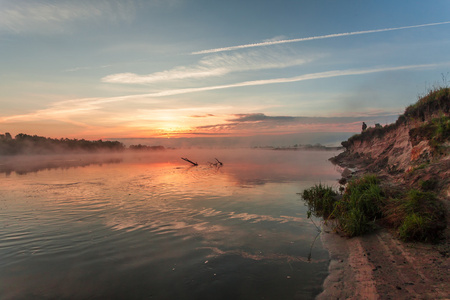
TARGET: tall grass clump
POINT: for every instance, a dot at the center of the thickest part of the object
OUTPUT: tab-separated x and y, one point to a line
321	200
414	227
357	209
417	215
360	205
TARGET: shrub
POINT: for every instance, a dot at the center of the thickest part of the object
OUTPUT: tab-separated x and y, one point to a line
320	200
414	227
360	205
355	222
356	211
418	216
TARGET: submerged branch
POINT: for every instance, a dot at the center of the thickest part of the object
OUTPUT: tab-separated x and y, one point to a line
189	161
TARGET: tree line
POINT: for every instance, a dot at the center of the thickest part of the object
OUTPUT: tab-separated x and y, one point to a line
33	144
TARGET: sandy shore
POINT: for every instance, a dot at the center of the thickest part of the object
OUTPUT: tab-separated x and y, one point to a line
378	266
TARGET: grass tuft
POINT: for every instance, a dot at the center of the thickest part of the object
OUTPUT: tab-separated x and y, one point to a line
413	227
360	205
320	200
417	215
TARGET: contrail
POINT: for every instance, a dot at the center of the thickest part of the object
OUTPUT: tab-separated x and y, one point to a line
334	35
311	76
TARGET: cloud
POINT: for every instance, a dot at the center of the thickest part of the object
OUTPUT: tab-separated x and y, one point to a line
335	35
311	76
77	106
63	110
34	16
259	123
260	117
212	66
263	118
202	116
174	74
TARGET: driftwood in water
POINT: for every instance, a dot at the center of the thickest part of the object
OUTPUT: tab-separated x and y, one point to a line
194	163
218	163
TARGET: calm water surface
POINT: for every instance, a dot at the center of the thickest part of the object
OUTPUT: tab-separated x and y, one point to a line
153	227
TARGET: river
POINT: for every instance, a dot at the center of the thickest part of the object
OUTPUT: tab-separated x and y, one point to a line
151	226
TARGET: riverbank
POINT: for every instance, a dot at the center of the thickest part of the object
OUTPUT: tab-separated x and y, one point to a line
411	159
378	266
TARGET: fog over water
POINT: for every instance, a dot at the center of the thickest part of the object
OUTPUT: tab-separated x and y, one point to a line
152	226
278	140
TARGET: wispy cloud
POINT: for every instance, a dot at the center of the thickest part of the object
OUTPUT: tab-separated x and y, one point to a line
77	106
311	76
334	35
202	116
63	110
25	15
215	65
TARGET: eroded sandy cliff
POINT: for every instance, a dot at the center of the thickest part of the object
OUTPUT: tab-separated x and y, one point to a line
413	151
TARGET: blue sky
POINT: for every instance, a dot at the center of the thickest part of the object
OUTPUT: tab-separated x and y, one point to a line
179	68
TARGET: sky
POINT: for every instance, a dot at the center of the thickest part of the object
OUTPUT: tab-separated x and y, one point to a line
206	70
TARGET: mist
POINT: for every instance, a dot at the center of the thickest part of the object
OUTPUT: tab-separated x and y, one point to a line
281	140
244	166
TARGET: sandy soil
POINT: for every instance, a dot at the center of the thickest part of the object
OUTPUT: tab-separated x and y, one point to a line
378	266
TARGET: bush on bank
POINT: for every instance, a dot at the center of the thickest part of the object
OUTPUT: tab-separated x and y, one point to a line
415	215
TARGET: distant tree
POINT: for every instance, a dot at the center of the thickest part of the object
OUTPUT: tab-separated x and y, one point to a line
140	147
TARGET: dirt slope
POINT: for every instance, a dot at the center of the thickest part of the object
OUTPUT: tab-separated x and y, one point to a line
378	266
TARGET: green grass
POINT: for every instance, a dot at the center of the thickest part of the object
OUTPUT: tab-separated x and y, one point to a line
360	205
436	100
354	222
320	200
436	131
413	227
416	215
356	211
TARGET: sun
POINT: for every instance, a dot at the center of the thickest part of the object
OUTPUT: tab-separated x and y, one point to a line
173	130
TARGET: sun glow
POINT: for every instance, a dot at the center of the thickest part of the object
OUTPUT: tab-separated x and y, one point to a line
173	130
